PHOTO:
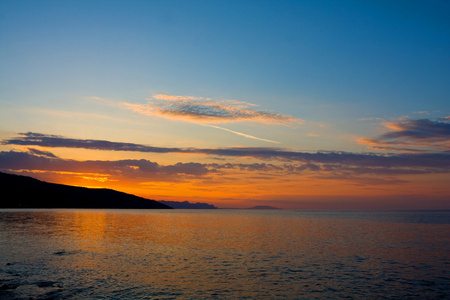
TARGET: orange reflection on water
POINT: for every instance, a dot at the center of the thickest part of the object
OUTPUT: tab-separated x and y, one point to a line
229	253
90	228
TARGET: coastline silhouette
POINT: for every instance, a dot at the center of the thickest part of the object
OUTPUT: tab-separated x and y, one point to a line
27	192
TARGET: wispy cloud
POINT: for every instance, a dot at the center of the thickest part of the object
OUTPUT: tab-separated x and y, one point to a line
209	111
243	134
413	136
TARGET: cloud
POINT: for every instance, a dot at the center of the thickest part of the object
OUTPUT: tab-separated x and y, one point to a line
255	167
207	110
53	141
358	180
244	135
438	161
312	135
418	161
125	169
41	153
344	166
386	146
145	170
418	129
413	136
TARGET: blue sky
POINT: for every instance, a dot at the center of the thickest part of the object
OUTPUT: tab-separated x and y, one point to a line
346	73
310	52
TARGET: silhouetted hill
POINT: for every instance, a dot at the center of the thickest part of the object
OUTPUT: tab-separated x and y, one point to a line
27	192
188	205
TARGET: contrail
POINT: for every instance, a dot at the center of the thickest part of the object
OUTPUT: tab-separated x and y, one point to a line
242	134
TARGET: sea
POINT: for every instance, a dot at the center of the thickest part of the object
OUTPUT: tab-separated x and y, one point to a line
224	254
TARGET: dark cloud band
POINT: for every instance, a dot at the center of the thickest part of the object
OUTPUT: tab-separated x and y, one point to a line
413	136
436	161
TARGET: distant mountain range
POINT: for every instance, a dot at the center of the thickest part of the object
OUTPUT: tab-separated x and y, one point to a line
188	205
263	207
27	192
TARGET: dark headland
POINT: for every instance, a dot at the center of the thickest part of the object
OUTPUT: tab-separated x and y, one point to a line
26	192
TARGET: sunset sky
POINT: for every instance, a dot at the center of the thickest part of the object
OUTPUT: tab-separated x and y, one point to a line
293	104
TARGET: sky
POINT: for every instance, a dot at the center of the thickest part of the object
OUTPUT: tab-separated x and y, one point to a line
292	104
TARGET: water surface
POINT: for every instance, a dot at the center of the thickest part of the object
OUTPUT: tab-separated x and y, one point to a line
184	254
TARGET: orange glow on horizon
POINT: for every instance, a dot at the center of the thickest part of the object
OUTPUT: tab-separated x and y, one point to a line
242	190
